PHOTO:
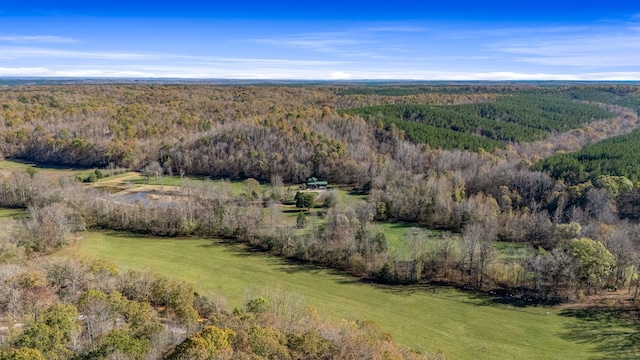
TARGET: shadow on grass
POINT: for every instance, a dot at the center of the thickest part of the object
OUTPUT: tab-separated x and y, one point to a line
407	225
612	334
286	265
47	166
295	266
406	290
504	297
13	213
292	211
128	235
401	225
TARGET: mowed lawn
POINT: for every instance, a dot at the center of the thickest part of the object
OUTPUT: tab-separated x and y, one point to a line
462	325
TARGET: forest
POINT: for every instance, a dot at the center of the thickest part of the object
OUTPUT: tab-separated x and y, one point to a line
479	174
513	118
612	157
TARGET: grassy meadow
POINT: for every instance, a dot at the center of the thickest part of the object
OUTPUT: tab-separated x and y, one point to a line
11	213
50	172
462	325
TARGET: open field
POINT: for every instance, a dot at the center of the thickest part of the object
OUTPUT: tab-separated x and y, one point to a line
23	165
50	171
14	165
463	326
11	214
395	232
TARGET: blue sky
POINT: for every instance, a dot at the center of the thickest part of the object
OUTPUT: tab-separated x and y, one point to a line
322	40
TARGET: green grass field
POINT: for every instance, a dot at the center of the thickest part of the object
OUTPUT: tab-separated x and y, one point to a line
23	165
14	165
11	213
462	325
395	233
236	187
163	180
50	173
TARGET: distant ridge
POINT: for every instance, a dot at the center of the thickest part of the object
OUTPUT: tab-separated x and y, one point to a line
26	81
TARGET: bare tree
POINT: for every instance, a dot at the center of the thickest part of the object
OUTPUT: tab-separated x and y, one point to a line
154	169
277	187
620	245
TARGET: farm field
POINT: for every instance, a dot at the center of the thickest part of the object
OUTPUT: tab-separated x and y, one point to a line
51	171
461	325
395	231
11	213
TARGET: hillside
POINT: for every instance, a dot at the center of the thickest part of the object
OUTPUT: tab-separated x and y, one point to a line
428	186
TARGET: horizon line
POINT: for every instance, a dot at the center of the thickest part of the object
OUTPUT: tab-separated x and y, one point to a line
331	81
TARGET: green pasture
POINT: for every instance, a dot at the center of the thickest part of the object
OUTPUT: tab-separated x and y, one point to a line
397	232
347	197
162	180
462	325
235	186
14	165
11	213
24	165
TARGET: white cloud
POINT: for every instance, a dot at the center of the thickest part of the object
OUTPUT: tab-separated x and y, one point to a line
365	51
353	43
513	32
306	74
612	76
37	38
29	52
503	76
576	45
397	28
23	52
207	60
599	47
326	42
587	60
23	71
99	73
340	75
461	76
